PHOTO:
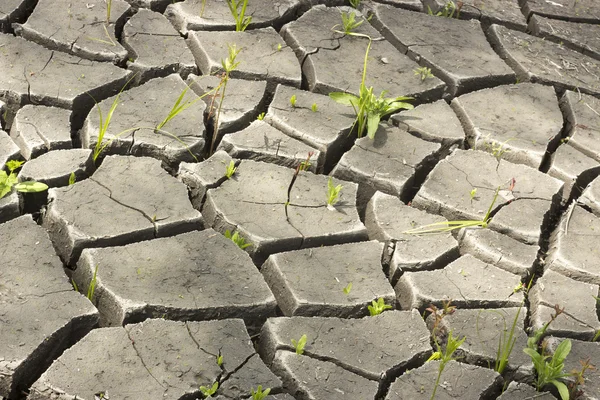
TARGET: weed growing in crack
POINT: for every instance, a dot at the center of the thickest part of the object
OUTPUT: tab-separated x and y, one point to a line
72	178
449	10
92	286
220	360
448	226
314	107
237	239
299	344
10	180
260	116
208	392
229	65
181	104
423	73
108	10
230	170
349	22
259	393
347	289
549	369
369	109
507	340
445	357
239	14
293	101
579	379
354	3
377	307
333	193
303	166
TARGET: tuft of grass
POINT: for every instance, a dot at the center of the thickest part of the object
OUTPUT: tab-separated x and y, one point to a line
238	11
377	307
333	193
445	357
369	109
448	226
349	22
354	3
450	10
347	289
261	116
259	394
209	391
231	168
423	73
237	239
92	286
300	344
229	65
10	180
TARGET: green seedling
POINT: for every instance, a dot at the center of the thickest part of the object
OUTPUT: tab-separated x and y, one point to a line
349	22
347	289
473	193
72	178
377	307
231	168
10	180
578	377
423	73
108	10
237	239
279	47
229	65
550	369
220	360
293	101
239	15
448	226
181	104
208	392
259	394
314	107
448	11
354	3
261	116
333	193
445	357
303	166
92	286
299	345
105	123
369	109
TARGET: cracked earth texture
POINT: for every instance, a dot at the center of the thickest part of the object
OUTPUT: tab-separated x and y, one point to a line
120	282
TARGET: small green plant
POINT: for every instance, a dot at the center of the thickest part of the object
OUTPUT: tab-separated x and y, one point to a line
349	22
108	10
229	65
448	11
237	239
423	73
314	107
333	193
377	307
92	286
447	226
261	116
578	375
105	123
299	345
279	47
473	194
239	14
354	3
10	180
549	369
208	392
259	394
369	109
293	101
220	360
347	289
231	168
72	178
202	9
181	104
445	357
